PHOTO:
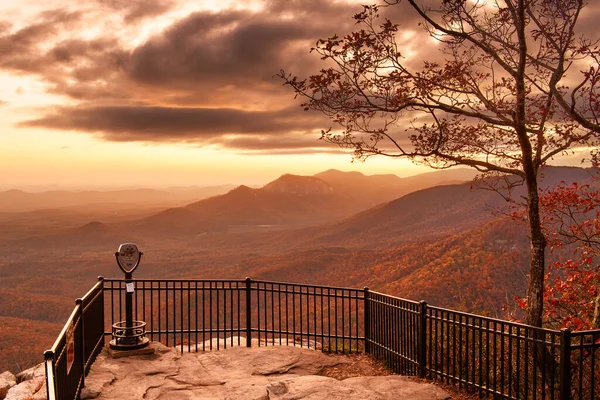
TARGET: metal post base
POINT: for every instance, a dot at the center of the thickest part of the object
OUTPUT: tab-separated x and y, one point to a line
115	345
129	337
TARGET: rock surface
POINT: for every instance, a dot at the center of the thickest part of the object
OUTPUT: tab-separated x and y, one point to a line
32	385
273	372
7	381
31	373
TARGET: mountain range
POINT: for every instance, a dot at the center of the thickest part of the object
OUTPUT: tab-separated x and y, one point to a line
291	201
431	237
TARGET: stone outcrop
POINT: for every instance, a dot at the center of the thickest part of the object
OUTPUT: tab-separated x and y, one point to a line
266	372
7	381
31	386
365	387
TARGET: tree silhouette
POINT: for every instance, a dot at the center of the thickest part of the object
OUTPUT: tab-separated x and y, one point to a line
501	100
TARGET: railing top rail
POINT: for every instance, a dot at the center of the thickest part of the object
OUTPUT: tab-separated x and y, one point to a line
63	332
108	280
90	293
307	285
394	297
584	333
496	320
176	280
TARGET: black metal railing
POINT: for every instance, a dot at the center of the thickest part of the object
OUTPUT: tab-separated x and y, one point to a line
76	347
491	357
584	371
202	314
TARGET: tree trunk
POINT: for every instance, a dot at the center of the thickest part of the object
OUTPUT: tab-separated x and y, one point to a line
596	321
535	292
531	163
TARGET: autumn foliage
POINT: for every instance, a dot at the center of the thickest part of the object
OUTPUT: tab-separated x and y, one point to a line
572	282
572	293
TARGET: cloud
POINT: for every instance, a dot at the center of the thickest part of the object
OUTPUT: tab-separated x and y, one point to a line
206	78
242	49
19	48
206	57
220	126
135	10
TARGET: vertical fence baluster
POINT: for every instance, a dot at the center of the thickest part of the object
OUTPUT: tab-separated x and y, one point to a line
315	317
239	300
196	312
218	316
248	312
279	308
203	316
565	364
287	315
422	332
367	317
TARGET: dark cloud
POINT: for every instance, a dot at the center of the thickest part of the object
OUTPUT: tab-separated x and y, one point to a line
205	57
147	123
238	48
20	49
275	132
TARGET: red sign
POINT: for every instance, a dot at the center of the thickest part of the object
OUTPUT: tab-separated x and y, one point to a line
70	347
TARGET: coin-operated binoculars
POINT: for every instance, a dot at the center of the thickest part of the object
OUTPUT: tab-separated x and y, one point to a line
128	334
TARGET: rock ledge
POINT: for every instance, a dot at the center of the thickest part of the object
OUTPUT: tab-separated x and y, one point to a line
260	373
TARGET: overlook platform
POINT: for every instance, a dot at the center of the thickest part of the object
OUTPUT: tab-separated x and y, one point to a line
476	354
257	372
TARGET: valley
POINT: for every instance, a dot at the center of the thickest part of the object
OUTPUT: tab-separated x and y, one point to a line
427	237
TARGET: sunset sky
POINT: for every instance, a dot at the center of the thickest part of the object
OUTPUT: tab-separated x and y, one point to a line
159	93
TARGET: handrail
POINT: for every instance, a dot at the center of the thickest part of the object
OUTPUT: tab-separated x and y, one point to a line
77	345
482	354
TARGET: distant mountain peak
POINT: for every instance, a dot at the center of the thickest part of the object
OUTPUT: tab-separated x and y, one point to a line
337	172
91	229
242	188
94	226
298	184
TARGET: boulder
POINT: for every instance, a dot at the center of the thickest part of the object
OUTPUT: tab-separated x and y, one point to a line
33	389
33	372
7	381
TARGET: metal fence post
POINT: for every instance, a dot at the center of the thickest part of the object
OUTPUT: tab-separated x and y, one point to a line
101	279
422	335
565	364
367	321
248	312
81	339
50	378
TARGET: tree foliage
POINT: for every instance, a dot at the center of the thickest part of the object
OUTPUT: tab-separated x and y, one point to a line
572	294
515	86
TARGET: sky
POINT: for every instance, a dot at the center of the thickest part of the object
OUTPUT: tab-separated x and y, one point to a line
159	93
